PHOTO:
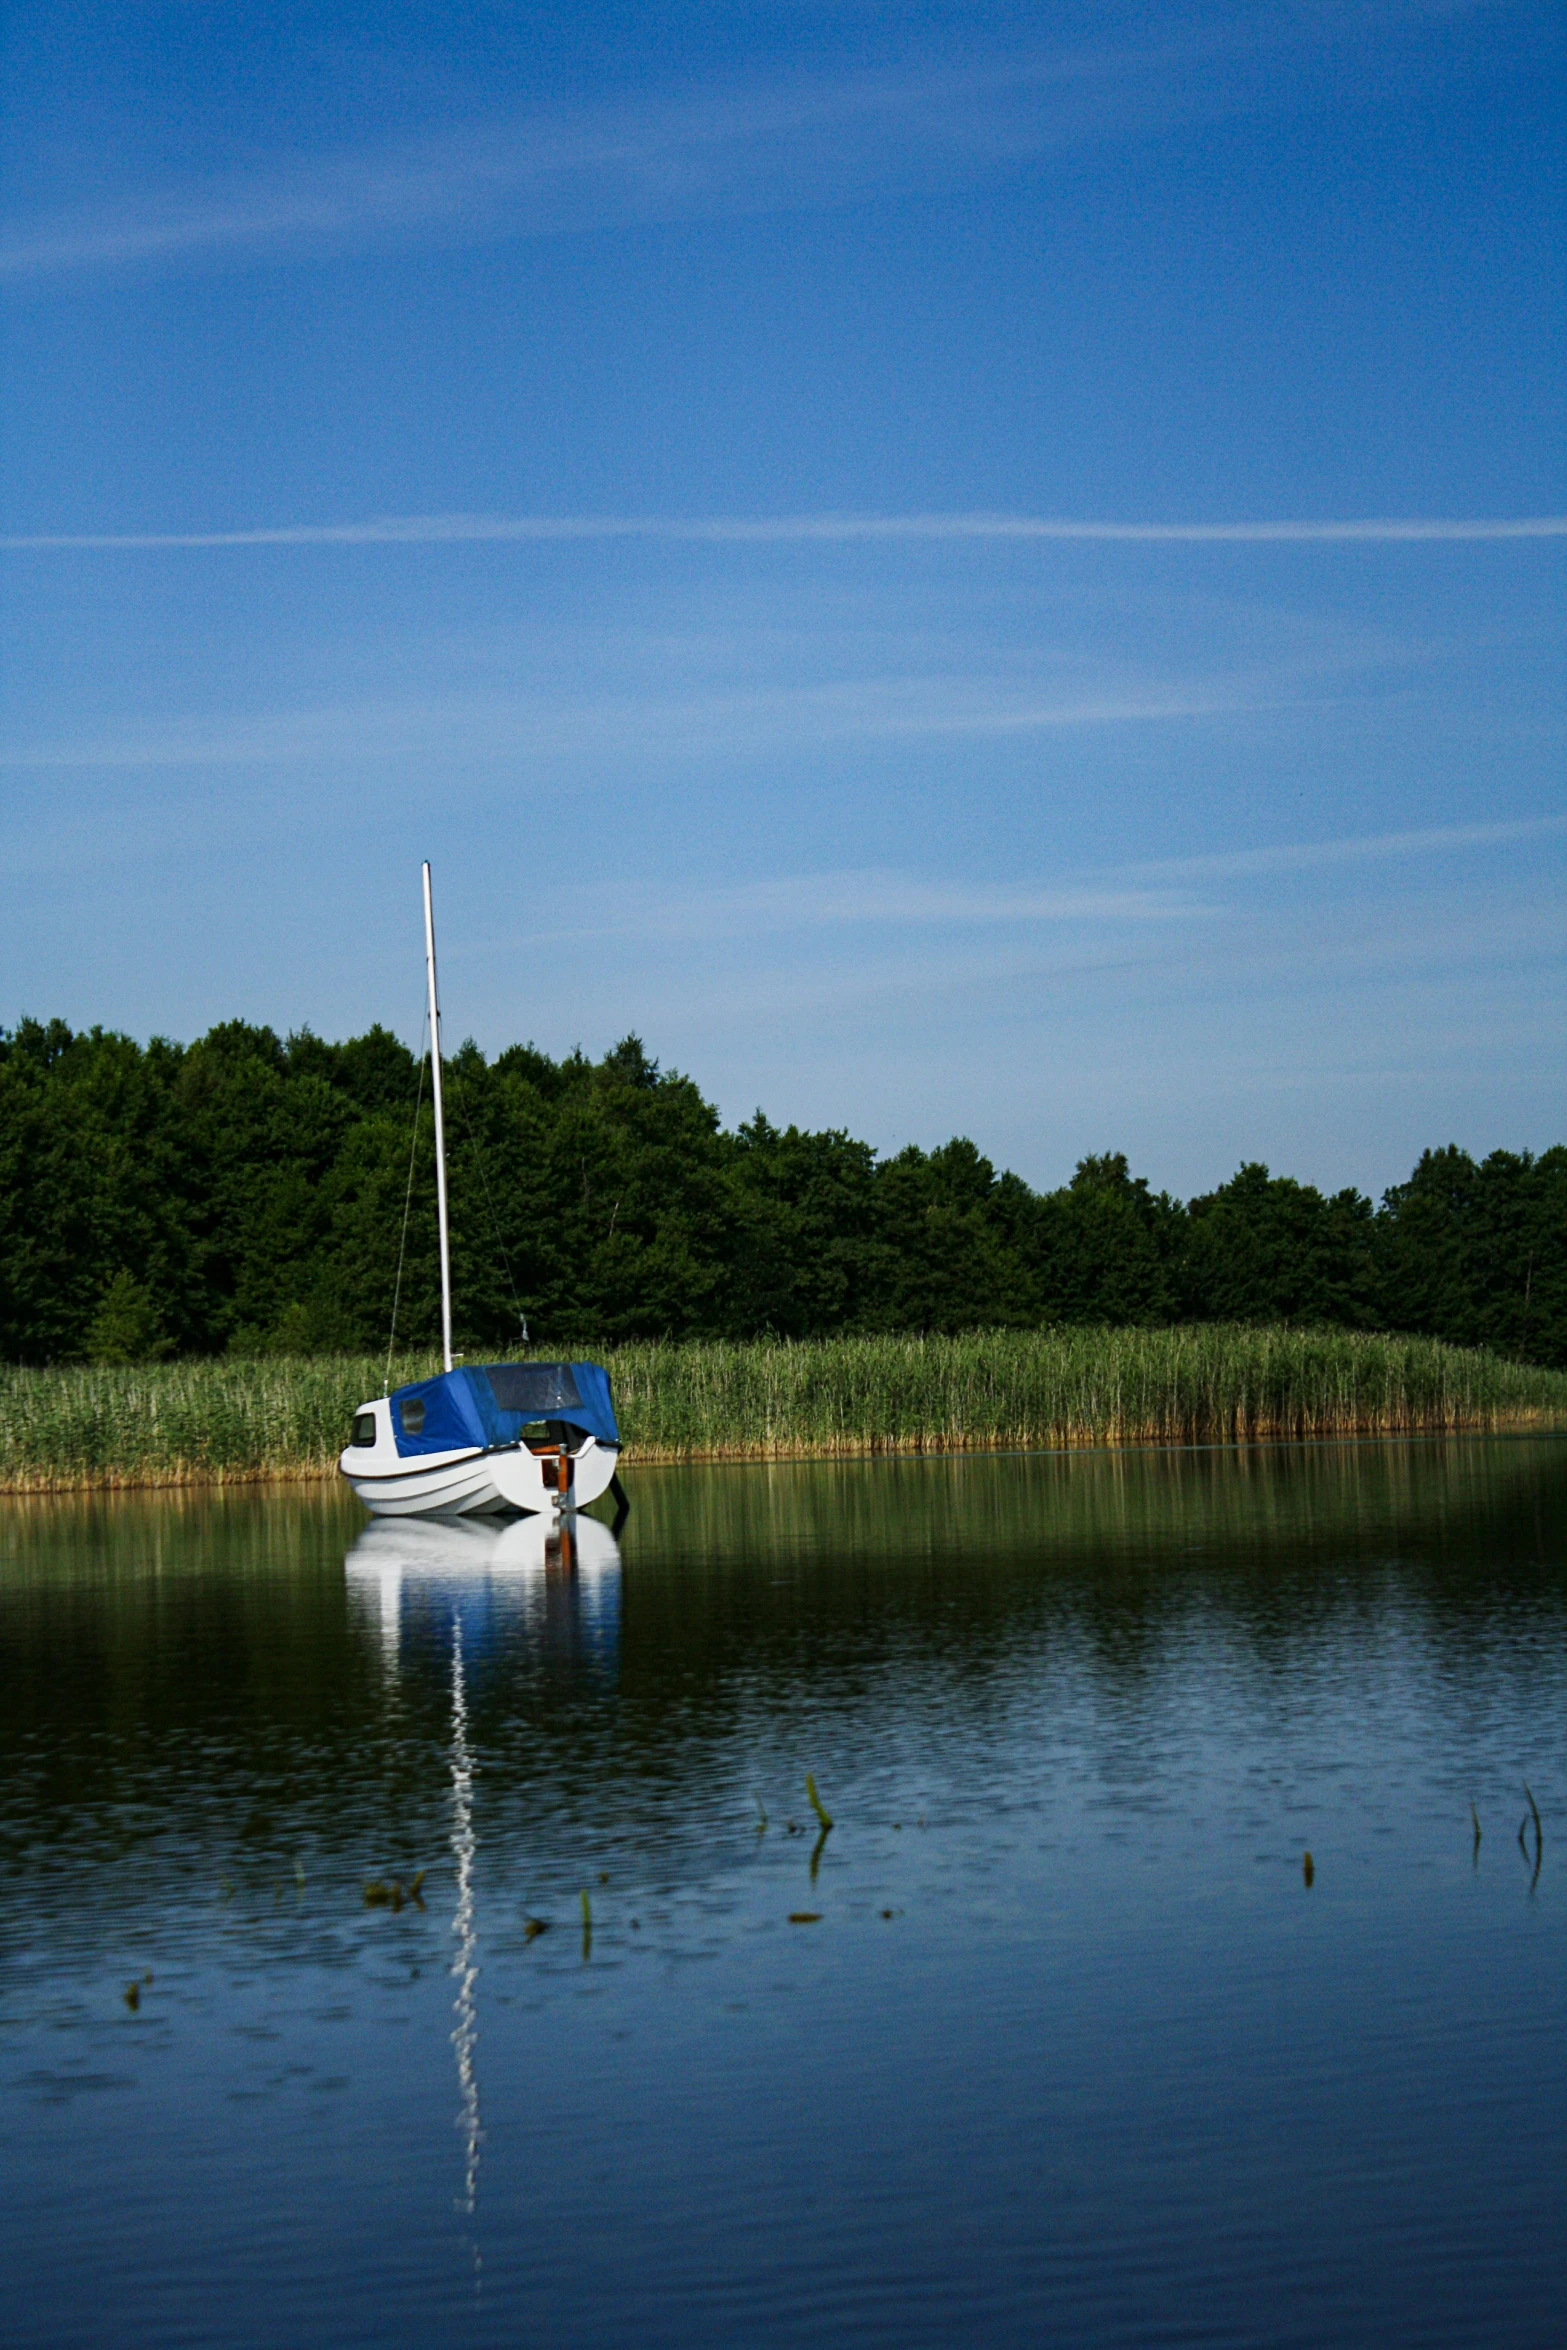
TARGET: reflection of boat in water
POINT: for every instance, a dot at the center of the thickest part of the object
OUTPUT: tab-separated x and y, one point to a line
486	1438
473	1590
551	1585
456	1549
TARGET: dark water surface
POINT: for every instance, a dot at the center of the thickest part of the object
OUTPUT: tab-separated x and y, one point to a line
1071	2052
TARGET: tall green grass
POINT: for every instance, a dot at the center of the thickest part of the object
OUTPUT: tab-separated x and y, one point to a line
198	1422
1209	1383
228	1420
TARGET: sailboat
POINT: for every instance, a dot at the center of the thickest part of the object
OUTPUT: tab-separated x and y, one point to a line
481	1439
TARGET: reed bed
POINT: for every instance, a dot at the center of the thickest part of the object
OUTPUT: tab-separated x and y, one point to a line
226	1420
208	1421
1205	1384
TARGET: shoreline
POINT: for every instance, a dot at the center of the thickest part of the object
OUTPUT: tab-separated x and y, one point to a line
226	1420
197	1476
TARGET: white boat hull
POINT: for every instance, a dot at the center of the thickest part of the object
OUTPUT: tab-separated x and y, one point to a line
446	1485
472	1483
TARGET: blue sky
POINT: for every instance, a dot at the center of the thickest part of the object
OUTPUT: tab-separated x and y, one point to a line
622	454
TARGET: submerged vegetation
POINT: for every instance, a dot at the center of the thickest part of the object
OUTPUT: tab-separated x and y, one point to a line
230	1419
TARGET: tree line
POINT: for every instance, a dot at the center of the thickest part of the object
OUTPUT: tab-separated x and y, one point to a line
262	1194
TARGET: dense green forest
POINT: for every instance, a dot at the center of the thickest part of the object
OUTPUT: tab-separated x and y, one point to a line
247	1193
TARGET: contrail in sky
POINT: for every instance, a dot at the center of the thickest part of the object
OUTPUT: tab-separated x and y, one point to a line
438	530
716	149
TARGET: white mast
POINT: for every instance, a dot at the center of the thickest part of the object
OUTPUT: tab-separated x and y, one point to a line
440	1128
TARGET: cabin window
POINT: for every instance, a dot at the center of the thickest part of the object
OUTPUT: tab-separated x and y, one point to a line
532	1387
411	1414
364	1428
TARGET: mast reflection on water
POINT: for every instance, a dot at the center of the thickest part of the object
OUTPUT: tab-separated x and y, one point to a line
548	1590
465	1964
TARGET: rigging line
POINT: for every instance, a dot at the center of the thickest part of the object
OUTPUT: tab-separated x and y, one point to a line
460	1095
402	1245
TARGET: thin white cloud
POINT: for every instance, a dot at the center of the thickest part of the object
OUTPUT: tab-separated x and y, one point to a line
879	899
889	899
656	156
435	530
1157	967
500	727
670	155
1303	856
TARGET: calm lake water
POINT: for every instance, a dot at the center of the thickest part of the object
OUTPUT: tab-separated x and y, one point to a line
1050	2039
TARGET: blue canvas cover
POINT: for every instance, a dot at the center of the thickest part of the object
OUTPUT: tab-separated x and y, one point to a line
481	1405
